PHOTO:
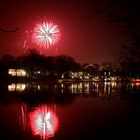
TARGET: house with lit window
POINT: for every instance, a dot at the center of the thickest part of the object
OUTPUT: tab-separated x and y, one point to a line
17	72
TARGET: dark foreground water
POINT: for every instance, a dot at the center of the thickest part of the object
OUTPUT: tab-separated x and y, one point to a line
69	111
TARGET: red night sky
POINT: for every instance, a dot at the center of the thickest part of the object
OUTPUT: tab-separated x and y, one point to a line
86	40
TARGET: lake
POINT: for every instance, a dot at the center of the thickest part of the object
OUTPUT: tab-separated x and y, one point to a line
69	111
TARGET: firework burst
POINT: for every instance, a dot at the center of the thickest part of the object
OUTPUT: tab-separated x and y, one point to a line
46	34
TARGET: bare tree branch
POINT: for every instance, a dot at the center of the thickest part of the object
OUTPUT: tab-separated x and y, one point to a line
9	31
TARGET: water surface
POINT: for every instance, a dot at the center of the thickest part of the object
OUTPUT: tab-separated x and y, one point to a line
65	111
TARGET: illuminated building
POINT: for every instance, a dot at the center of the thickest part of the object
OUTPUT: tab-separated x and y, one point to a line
17	72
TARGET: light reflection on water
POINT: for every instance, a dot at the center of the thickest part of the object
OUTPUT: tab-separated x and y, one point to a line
42	121
88	88
84	87
46	110
16	87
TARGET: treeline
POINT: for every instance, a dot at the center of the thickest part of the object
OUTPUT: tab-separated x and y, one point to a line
33	62
37	65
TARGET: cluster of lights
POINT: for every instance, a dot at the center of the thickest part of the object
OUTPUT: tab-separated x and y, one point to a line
16	87
17	72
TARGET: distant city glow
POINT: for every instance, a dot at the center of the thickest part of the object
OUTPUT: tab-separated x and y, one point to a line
46	34
44	122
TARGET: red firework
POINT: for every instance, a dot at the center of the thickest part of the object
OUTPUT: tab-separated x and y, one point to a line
44	122
46	34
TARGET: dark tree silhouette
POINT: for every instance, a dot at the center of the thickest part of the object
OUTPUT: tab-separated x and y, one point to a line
30	61
38	65
124	13
9	31
66	63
